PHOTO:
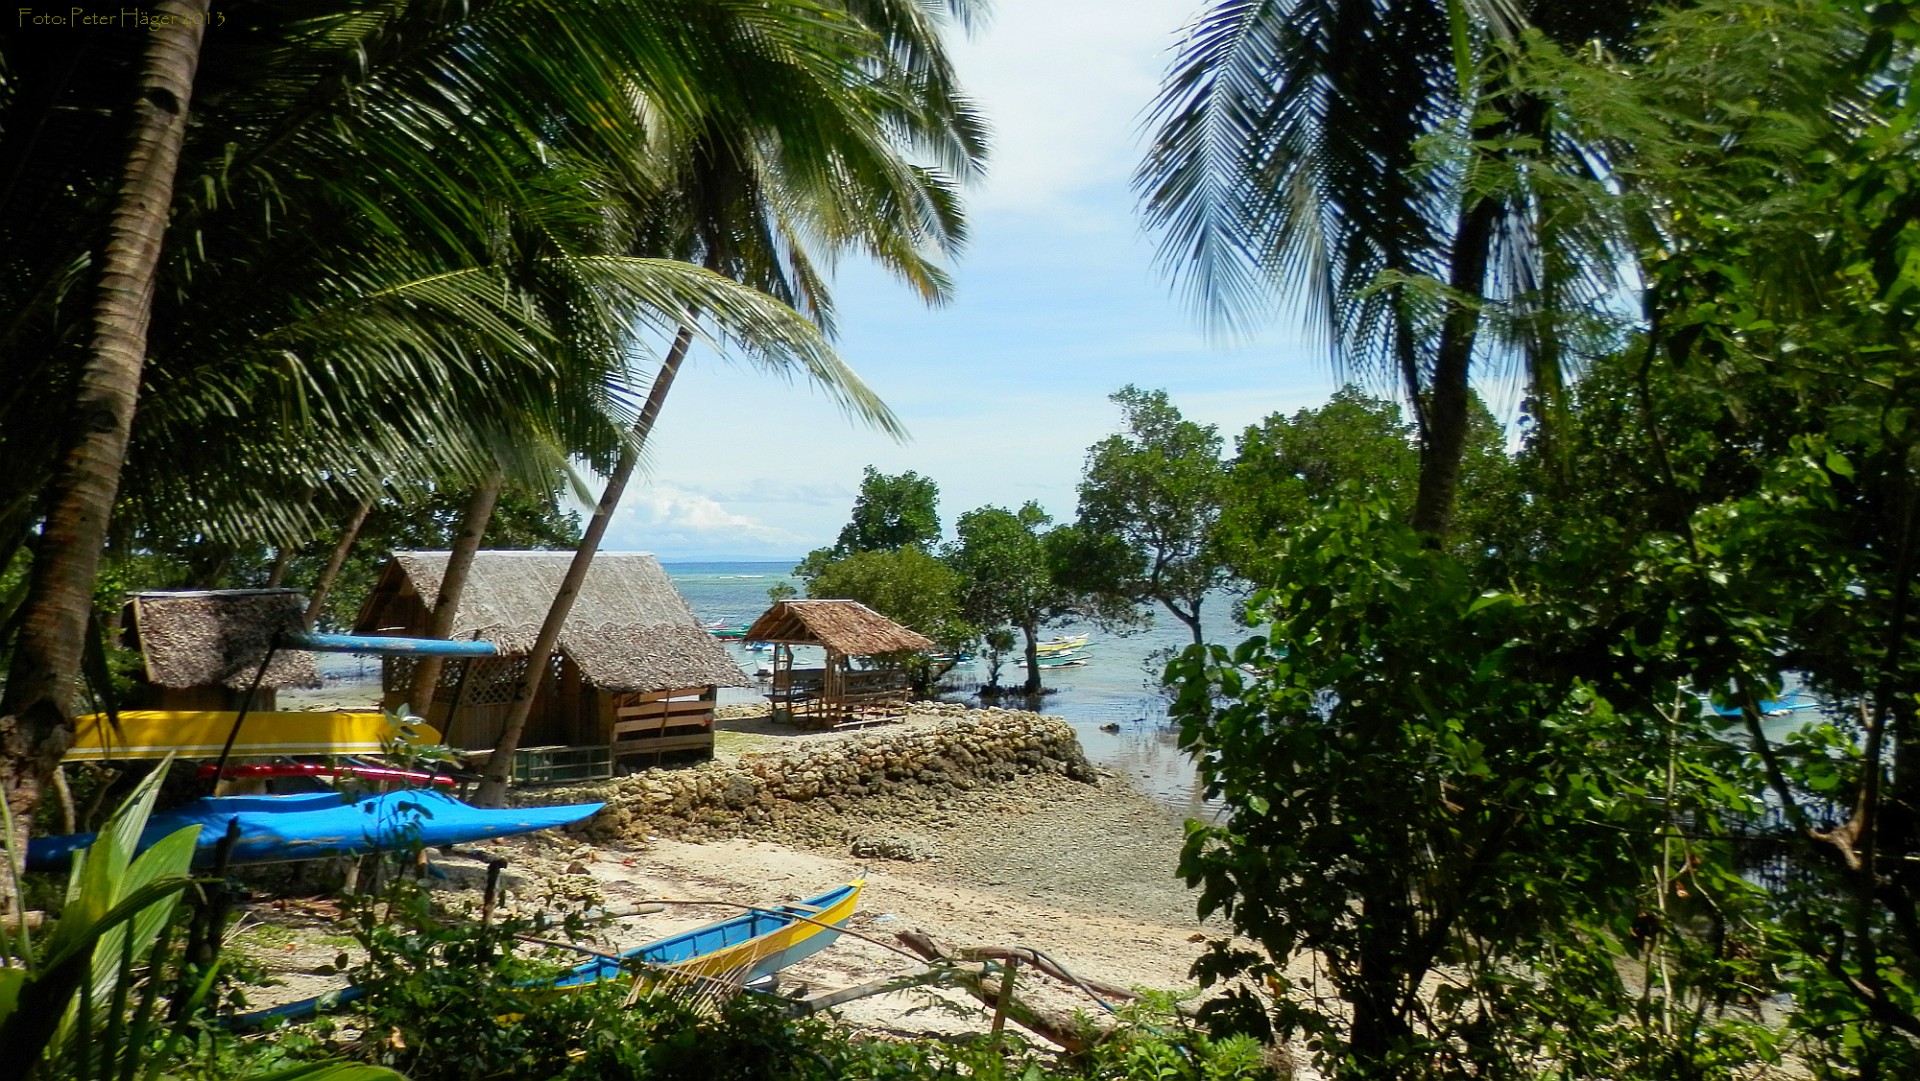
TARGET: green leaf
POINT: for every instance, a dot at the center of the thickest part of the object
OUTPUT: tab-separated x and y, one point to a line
12	980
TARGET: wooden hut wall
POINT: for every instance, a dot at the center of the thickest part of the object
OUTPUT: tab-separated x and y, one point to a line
655	722
394	607
471	702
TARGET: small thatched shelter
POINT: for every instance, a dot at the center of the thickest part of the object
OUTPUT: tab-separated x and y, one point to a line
835	693
203	648
633	669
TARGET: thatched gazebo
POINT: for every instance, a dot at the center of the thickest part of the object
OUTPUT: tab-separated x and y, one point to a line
633	670
836	693
202	648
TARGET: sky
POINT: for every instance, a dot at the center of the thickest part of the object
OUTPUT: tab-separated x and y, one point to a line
1057	304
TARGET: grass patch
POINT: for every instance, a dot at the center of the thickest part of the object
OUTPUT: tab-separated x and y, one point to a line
736	742
267	936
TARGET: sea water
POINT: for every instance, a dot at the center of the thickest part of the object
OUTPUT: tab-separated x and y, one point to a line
1117	688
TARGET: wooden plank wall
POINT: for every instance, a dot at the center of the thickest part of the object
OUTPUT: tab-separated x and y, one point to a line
655	722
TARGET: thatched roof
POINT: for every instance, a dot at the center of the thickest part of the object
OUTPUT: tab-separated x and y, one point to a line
629	630
203	638
843	626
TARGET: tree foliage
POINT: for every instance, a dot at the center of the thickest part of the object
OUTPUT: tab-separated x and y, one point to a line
1508	845
1381	168
1286	467
891	512
1007	576
1428	749
1150	503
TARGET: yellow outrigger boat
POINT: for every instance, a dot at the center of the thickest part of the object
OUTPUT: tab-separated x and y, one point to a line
154	734
1060	644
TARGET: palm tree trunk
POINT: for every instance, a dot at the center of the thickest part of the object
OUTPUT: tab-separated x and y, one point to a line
493	789
282	557
1443	435
466	543
35	714
1032	633
337	560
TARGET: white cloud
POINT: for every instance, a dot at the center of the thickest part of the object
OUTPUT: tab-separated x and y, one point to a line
1065	85
773	490
671	520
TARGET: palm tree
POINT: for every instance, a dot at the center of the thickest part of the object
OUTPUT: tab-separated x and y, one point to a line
377	200
67	558
1373	159
745	200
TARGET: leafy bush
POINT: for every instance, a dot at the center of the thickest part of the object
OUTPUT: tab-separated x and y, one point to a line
87	1002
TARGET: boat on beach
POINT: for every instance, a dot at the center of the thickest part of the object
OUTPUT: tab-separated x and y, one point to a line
755	944
153	734
334	771
732	952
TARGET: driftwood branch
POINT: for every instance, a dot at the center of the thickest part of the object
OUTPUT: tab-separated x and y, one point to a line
932	976
1066	1031
1096	989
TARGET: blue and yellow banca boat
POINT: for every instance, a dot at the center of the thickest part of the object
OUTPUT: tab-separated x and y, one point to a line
734	951
153	734
747	947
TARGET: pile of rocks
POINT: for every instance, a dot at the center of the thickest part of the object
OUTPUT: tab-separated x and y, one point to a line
797	790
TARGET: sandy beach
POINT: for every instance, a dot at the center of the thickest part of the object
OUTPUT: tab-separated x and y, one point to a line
1082	870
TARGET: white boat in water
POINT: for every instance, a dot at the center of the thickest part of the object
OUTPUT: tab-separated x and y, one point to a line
1061	643
1064	659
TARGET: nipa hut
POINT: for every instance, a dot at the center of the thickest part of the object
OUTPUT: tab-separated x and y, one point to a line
633	672
835	693
201	649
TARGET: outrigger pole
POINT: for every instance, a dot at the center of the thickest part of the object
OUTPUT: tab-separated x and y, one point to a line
372	645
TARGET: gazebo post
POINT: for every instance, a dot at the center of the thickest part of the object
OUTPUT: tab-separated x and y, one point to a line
834	687
783	687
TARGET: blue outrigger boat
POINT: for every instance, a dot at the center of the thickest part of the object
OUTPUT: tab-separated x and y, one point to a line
311	825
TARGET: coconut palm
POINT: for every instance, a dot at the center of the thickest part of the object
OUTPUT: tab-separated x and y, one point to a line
762	209
81	498
1372	160
392	220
